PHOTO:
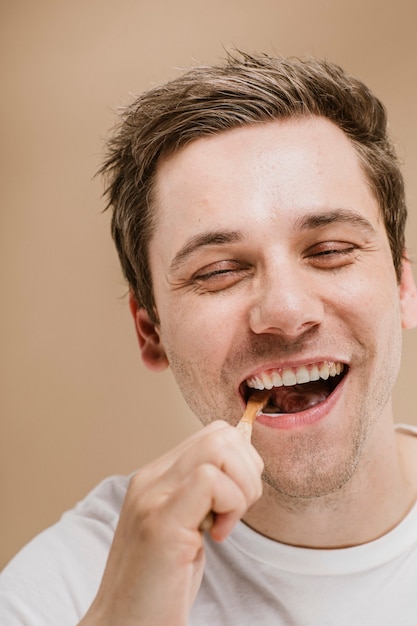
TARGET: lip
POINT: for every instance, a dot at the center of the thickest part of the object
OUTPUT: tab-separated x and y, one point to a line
310	417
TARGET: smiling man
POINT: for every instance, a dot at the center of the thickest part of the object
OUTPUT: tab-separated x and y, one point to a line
258	211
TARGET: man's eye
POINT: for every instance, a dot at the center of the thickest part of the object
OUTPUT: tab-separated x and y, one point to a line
335	251
213	274
219	276
332	254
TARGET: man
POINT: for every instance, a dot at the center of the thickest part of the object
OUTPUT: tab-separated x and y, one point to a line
259	216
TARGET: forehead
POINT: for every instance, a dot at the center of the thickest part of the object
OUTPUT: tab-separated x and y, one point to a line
275	170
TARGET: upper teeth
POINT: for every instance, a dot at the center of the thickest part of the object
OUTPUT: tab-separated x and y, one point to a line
295	375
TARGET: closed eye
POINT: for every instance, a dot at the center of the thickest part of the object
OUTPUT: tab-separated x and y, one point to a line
331	254
220	275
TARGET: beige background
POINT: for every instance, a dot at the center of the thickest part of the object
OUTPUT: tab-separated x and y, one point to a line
76	402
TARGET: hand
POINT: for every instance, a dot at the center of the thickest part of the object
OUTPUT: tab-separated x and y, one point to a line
156	560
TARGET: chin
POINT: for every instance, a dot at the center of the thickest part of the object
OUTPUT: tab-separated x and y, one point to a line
308	471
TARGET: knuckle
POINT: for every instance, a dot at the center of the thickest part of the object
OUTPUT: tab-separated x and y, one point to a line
138	482
206	473
223	440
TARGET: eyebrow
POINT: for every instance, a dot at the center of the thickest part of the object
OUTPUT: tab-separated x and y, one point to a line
202	240
326	218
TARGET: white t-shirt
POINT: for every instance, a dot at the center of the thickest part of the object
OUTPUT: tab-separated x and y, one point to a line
248	580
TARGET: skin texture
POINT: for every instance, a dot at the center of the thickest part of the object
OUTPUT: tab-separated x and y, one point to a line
269	252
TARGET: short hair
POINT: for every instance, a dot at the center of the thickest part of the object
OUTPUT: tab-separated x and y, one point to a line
244	90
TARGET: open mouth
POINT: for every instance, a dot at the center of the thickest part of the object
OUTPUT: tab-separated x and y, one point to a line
297	389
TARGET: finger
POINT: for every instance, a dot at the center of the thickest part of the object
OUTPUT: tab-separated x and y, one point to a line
221	449
207	488
218	444
227	450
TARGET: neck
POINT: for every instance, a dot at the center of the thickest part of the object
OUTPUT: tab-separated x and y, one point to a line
372	502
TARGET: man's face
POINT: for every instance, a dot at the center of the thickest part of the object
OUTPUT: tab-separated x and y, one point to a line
271	267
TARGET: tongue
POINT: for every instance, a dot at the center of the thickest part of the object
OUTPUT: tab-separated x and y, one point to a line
297	398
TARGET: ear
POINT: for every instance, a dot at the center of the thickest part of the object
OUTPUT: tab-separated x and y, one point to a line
408	296
152	350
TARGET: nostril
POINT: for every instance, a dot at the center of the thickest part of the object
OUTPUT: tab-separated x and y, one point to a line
284	322
287	303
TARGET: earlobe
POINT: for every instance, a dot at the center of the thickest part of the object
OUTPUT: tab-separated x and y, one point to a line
408	296
152	350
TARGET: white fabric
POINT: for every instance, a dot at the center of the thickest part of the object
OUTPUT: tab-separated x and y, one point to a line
248	580
53	580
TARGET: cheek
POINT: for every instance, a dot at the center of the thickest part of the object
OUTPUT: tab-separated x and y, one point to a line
371	308
366	306
197	342
200	336
199	339
371	290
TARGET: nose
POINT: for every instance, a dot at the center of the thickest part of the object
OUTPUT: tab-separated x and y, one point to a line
286	302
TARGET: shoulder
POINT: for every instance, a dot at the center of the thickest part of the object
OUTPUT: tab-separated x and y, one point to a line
54	578
103	503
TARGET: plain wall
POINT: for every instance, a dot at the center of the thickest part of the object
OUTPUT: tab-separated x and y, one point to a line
76	402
